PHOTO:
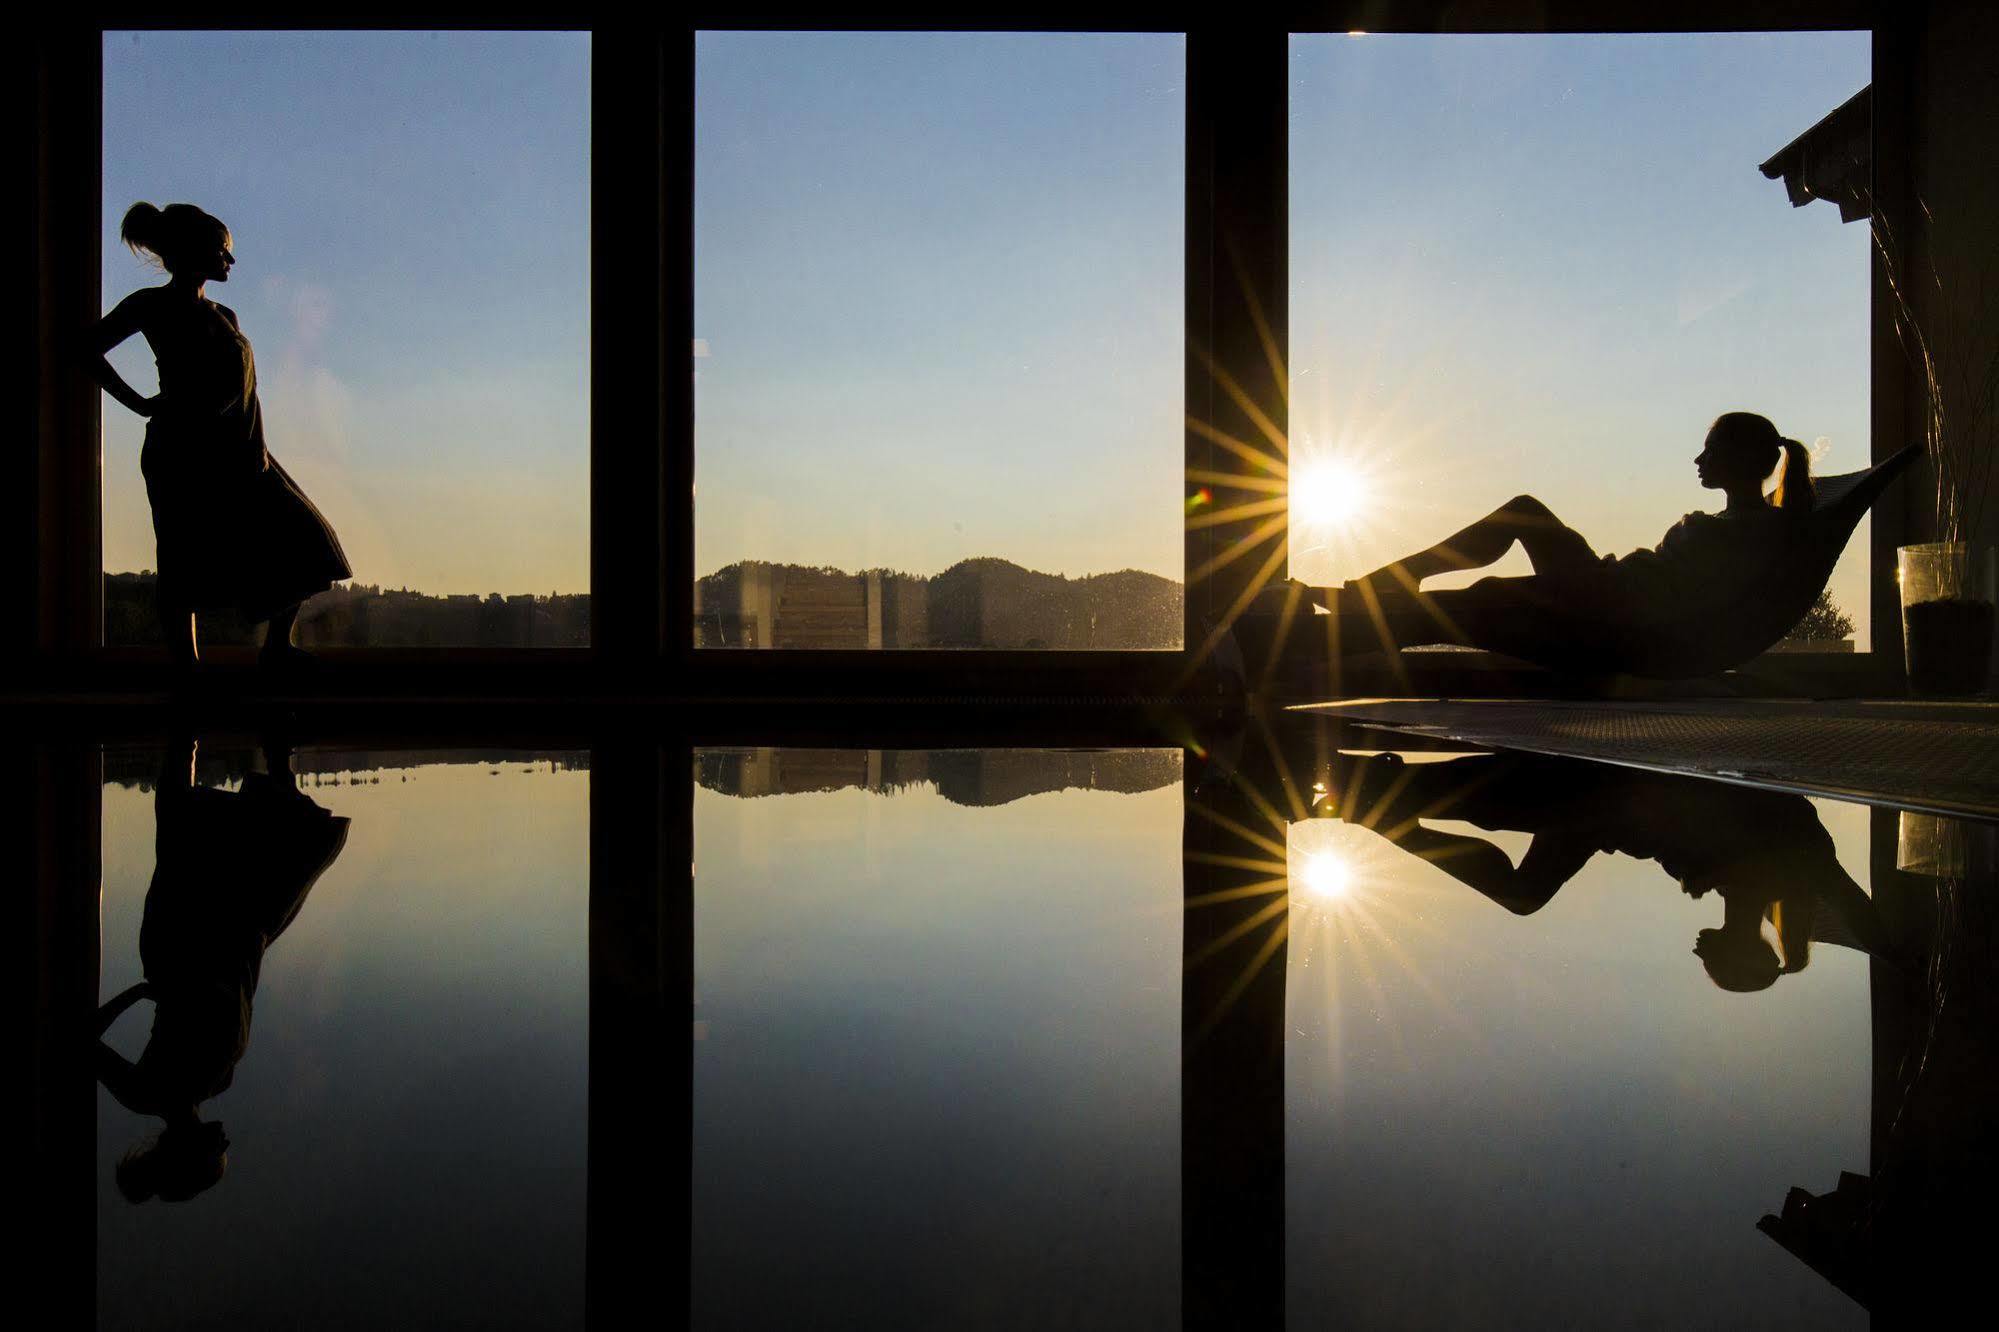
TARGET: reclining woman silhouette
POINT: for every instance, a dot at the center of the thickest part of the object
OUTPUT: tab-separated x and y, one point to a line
233	529
1588	612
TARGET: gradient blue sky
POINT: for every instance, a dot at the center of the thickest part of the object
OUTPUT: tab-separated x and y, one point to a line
412	224
938	285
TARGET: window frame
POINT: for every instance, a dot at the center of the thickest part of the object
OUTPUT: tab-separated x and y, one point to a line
641	517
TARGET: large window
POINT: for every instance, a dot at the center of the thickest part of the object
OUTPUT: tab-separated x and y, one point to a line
937	313
1543	264
938	339
411	220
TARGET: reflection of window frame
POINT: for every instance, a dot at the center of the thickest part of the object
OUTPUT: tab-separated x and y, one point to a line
641	528
640	957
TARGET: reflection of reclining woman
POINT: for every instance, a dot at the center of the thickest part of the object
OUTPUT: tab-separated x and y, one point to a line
1764	852
231	871
1647	612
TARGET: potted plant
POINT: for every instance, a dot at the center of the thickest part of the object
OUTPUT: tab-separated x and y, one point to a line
1948	587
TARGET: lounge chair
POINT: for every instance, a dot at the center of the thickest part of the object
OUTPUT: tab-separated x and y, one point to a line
1767	604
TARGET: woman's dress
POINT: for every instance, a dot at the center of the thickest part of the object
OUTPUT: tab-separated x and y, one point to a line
232	527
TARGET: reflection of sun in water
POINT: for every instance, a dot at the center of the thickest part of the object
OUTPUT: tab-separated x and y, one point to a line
1372	930
1325	875
1361	915
1334	866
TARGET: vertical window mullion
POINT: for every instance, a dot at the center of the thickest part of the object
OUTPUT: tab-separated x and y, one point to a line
636	203
1237	310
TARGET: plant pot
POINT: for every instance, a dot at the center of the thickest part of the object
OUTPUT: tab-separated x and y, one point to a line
1948	593
1930	844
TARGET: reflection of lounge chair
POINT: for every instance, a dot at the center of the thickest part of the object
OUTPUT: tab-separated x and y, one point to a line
1831	1234
1767	604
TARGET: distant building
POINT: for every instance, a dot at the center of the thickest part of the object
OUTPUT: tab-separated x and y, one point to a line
978	603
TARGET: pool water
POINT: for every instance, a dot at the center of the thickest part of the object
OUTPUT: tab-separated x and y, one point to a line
1290	1032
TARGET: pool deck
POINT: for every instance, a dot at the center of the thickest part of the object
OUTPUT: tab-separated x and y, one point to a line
1937	757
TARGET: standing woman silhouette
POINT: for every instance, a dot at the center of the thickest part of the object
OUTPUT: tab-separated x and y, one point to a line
232	527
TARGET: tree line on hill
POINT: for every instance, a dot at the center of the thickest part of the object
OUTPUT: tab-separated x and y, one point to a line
976	603
364	615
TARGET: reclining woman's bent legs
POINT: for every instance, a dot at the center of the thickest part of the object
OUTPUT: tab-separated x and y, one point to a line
1552	547
1562	622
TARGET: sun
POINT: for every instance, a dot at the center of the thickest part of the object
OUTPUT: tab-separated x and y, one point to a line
1329	493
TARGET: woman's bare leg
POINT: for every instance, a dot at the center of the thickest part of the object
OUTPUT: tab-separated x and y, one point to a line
1523	518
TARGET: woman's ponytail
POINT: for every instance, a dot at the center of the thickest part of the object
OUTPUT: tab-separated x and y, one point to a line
170	234
141	229
1794	489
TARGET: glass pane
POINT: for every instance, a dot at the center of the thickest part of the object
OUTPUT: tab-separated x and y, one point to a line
410	213
939	346
1543	265
354	1092
936	1038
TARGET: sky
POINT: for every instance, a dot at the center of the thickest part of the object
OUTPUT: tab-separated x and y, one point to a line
938	297
938	308
411	215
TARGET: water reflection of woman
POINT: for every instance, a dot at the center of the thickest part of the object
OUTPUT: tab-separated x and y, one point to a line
231	871
1764	853
233	529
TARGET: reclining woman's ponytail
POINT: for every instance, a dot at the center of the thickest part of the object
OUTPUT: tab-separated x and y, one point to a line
1758	444
1794	488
